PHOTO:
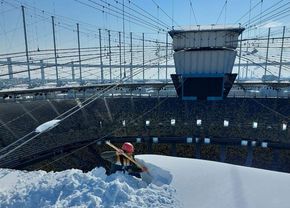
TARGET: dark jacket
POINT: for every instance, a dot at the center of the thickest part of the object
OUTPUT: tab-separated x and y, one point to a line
120	163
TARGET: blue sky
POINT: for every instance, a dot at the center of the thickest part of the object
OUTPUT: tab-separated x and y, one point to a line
206	11
89	15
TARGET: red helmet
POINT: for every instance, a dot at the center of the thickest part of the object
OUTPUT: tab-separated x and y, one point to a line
128	147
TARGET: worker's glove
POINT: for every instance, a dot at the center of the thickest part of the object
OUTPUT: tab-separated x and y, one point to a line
144	169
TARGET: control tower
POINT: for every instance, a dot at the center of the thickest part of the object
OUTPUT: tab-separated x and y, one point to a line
204	59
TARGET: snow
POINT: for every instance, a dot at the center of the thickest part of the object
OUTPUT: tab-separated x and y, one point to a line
177	182
207	184
47	125
73	188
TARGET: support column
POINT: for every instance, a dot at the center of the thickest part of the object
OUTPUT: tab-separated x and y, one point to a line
281	55
131	54
120	53
26	46
124	40
54	46
267	52
143	66
101	57
10	70
79	50
166	63
240	54
110	55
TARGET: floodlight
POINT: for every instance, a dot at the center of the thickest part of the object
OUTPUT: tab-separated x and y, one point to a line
198	122
226	123
147	123
284	126
155	139
264	144
207	140
172	122
255	125
189	140
244	143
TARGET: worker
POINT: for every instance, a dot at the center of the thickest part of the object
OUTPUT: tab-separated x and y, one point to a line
120	163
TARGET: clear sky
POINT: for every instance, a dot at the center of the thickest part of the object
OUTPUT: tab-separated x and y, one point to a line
161	15
206	11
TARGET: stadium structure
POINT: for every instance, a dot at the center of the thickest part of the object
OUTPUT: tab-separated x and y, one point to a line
210	94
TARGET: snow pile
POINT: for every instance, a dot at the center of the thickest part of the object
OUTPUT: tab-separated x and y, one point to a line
47	125
74	188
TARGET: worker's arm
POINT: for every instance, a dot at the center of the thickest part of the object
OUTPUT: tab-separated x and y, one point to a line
136	169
